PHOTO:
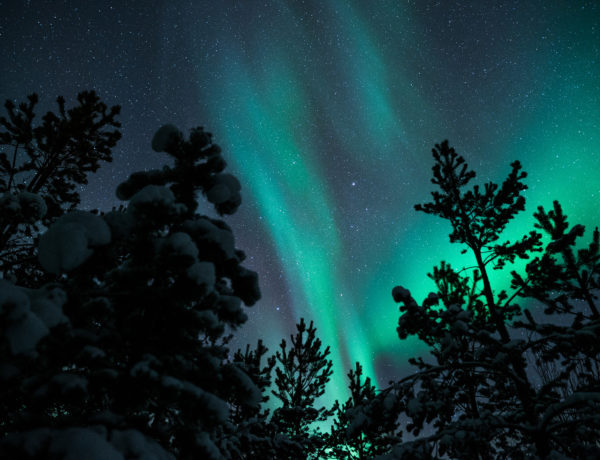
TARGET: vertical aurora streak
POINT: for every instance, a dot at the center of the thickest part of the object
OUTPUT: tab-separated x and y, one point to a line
271	134
329	117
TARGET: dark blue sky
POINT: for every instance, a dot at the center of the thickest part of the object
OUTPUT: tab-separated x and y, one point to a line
327	111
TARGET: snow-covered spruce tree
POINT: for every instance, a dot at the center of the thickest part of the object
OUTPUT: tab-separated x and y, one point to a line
40	167
302	372
479	395
126	355
351	437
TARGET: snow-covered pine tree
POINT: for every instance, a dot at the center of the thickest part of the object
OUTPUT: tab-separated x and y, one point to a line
41	166
126	355
479	395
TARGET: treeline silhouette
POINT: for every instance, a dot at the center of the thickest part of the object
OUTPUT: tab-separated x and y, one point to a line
115	326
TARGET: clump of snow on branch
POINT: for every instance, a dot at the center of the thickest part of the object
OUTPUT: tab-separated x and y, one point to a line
151	197
70	385
182	244
134	445
203	273
28	206
240	379
164	137
120	223
29	314
179	243
91	443
22	328
207	446
203	230
138	180
69	241
33	205
47	303
225	188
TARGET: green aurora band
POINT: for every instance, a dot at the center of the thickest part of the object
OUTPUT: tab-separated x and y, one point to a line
328	121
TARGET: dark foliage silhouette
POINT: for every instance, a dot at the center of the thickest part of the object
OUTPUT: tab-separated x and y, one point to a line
115	327
254	437
125	355
352	440
40	168
479	395
302	372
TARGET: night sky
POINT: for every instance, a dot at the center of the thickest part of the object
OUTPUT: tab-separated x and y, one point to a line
327	112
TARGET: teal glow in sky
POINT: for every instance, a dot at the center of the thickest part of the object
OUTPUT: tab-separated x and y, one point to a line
327	112
330	113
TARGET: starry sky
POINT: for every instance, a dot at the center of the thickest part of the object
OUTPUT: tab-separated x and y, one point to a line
327	112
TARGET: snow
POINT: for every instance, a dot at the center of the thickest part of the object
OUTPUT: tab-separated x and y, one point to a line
120	223
91	443
47	304
207	446
63	248
171	382
207	320
24	334
218	194
32	442
230	303
134	445
67	243
96	230
22	328
9	203
578	398
203	228
250	391
213	404
93	352
30	313
28	206
142	368
165	135
154	195
357	419
13	300
203	273
232	306
460	326
464	315
69	384
8	371
225	187
78	443
180	243
32	205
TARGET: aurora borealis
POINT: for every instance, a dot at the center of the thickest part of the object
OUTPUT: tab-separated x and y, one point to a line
327	112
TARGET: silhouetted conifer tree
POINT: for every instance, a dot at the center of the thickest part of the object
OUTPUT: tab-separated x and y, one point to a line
253	437
41	166
126	356
351	440
302	372
479	395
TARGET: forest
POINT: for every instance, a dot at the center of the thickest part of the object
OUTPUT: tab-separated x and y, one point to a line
115	325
